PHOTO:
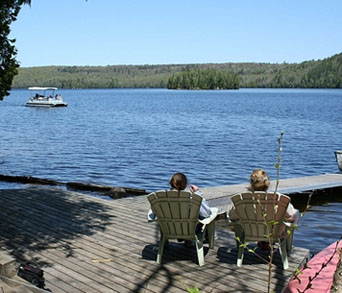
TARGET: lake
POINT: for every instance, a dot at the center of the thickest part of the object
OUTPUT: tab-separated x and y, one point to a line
139	137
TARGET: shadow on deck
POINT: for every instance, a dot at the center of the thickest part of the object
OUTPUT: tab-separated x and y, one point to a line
87	244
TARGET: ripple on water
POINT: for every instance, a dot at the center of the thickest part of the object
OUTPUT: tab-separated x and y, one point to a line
319	227
138	138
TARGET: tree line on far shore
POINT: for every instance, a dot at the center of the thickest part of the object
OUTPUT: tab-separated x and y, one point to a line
208	79
326	73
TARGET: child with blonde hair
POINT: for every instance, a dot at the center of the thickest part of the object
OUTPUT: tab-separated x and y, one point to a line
260	181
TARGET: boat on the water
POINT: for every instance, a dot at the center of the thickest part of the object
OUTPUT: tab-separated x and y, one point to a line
45	97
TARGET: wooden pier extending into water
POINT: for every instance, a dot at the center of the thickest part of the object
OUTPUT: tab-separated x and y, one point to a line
89	244
219	196
86	244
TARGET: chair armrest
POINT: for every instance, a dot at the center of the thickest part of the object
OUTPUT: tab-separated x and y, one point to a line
212	217
290	224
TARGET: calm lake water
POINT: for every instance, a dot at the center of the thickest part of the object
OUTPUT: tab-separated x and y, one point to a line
139	137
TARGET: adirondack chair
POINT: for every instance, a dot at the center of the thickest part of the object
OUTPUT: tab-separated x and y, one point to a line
177	215
253	210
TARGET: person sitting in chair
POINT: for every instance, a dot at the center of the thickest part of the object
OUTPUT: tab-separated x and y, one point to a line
260	181
179	182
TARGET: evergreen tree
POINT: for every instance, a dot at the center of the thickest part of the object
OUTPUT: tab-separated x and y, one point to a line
9	10
203	79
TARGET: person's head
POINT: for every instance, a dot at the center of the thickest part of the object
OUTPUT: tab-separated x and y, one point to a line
178	181
259	180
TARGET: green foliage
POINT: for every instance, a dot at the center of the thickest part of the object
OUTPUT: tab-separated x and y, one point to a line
9	10
193	290
325	73
252	250
121	76
208	79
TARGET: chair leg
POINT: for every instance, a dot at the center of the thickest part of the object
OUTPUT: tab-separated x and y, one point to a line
289	241
283	253
211	234
200	251
161	248
240	249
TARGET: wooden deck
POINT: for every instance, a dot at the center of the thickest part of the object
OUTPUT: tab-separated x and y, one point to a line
87	244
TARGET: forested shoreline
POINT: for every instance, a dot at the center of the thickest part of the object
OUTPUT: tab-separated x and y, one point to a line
205	79
326	73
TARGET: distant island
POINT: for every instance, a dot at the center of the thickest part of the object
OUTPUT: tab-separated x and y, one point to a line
326	73
204	79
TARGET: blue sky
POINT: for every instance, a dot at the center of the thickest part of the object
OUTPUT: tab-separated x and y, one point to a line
111	32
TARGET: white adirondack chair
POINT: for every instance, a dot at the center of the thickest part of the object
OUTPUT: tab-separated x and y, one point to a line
177	215
253	211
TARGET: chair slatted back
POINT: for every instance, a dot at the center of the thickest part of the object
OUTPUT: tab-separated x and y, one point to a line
177	212
254	209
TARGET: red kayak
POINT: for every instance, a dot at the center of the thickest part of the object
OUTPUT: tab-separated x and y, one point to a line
323	282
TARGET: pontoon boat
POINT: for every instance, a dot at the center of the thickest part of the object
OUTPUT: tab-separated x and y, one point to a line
45	100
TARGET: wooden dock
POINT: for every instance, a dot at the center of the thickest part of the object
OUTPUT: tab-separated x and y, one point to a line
219	196
87	244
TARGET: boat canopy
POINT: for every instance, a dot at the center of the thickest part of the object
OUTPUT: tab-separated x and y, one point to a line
36	88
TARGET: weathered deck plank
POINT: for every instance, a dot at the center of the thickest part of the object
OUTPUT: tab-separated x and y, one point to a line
87	244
